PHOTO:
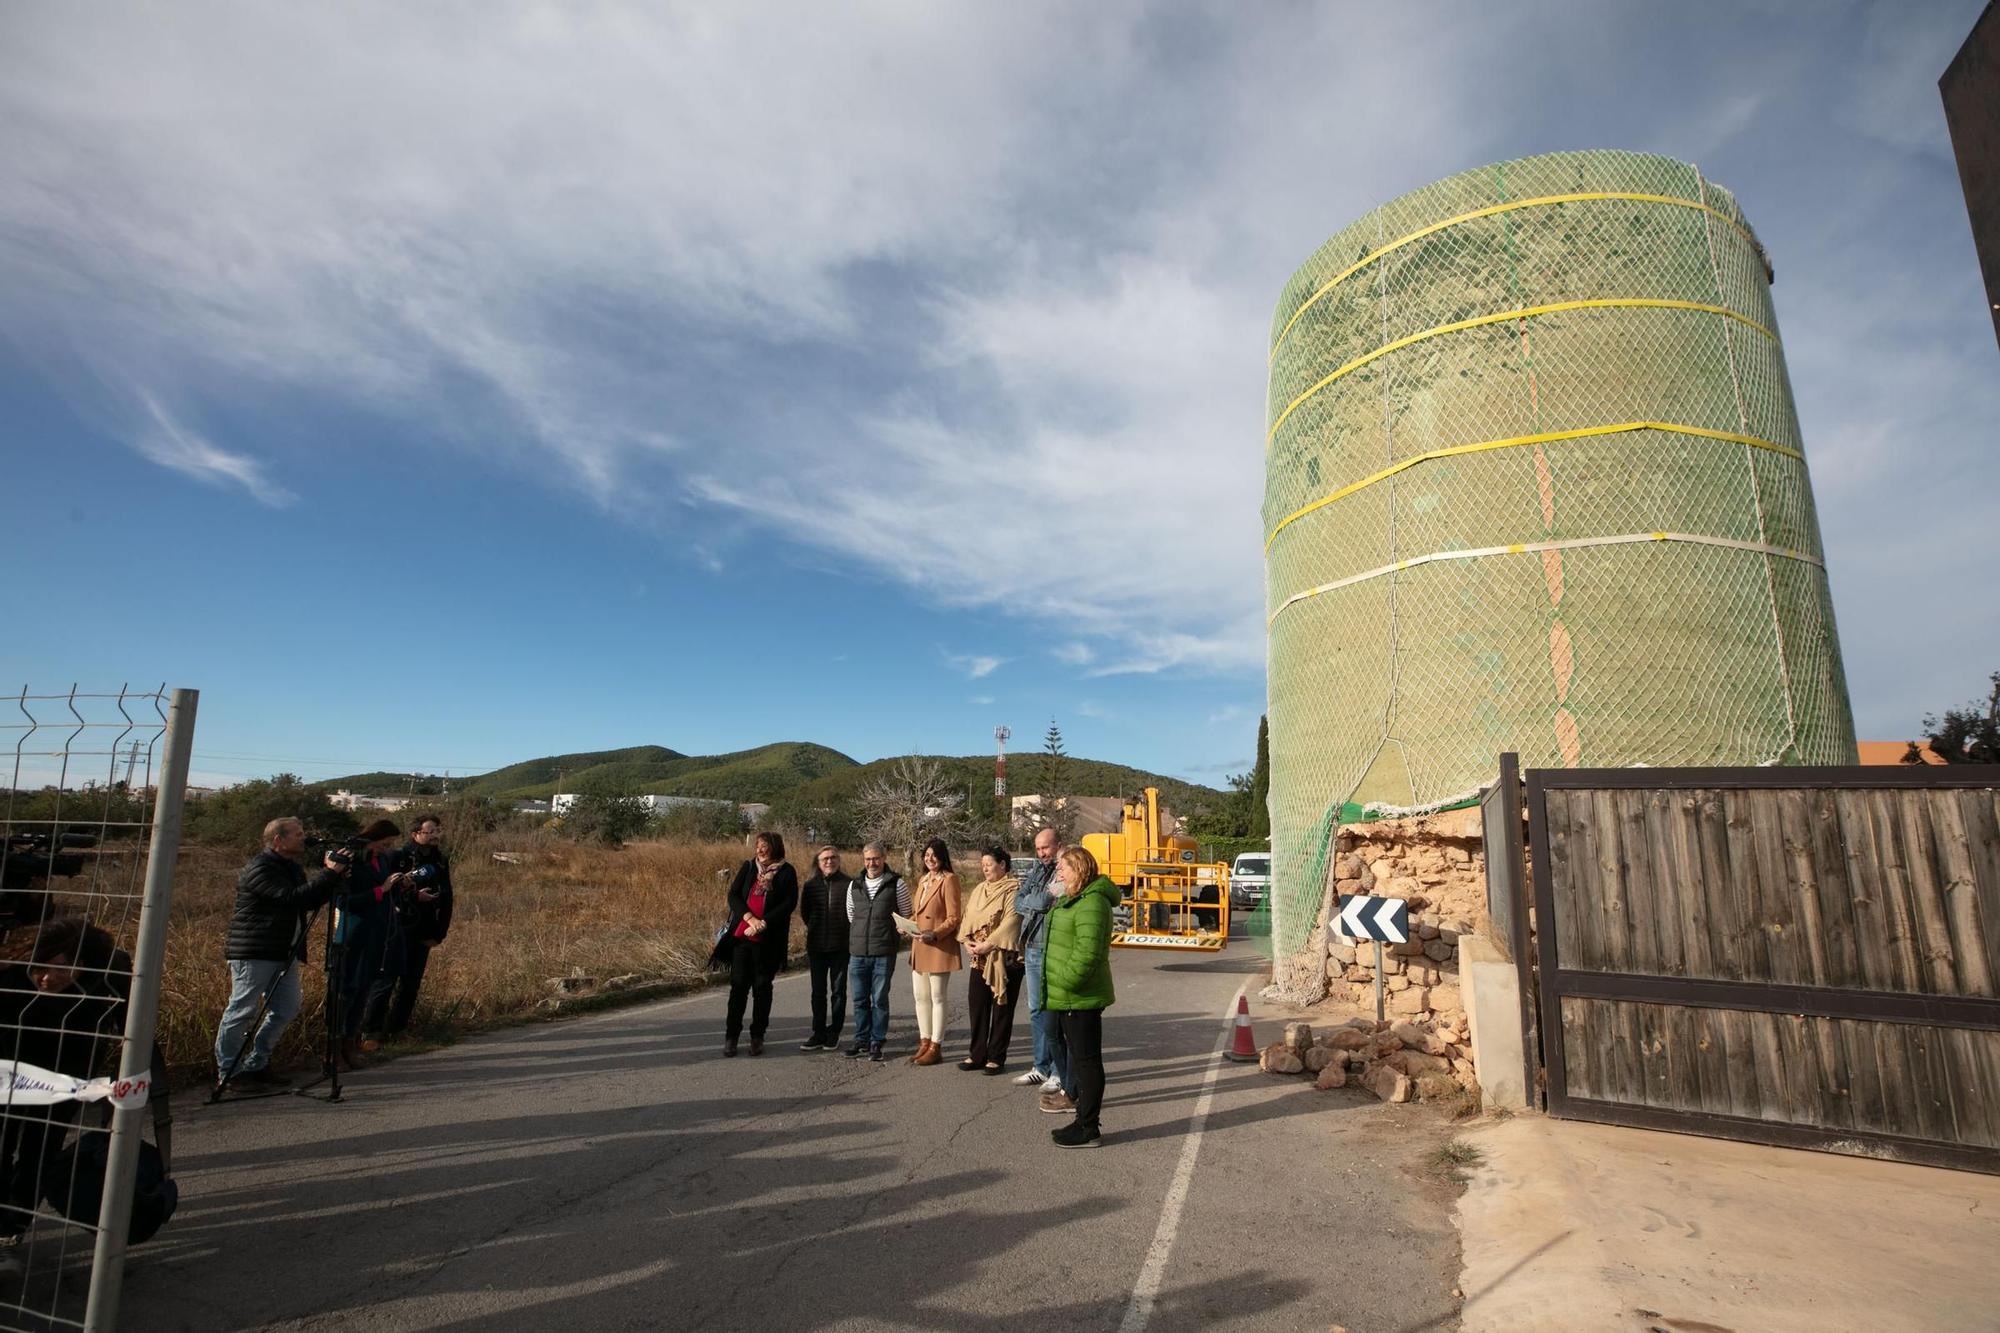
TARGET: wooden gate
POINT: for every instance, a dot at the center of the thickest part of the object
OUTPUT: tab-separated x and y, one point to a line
1798	956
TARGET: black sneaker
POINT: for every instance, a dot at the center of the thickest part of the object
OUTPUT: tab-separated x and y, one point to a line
856	1051
1074	1135
813	1043
875	1053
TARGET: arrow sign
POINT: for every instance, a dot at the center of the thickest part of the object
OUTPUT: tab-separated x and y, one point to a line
1366	916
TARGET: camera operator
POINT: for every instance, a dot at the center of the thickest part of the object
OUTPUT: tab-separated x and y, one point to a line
51	1021
267	943
423	915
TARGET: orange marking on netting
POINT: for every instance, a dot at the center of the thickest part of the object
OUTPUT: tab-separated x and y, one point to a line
1566	738
1552	570
1547	485
1561	660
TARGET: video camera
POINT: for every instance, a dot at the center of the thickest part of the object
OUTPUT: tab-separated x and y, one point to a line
342	850
27	857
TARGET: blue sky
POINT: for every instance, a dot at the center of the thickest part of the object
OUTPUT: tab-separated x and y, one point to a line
448	387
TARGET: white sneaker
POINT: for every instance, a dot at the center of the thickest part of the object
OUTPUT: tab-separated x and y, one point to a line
1029	1079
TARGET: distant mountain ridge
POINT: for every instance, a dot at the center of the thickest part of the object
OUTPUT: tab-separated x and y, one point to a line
797	772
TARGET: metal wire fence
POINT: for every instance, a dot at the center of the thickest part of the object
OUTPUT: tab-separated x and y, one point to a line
90	817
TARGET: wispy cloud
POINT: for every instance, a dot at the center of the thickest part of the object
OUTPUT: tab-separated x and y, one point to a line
980	700
976	666
1230	713
170	444
1074	654
1092	709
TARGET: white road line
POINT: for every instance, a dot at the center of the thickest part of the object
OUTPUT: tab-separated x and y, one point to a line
1147	1289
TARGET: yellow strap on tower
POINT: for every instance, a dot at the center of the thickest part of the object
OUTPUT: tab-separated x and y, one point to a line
1515	442
1527	312
1539	201
1522	548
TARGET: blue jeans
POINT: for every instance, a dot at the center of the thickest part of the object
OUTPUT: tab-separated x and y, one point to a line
247	981
1051	1051
868	983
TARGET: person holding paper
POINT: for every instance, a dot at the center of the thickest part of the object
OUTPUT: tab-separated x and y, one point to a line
933	931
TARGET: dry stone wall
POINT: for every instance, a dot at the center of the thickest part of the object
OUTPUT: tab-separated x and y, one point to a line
1436	864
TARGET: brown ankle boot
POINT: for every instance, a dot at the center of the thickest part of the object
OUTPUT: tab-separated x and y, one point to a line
930	1054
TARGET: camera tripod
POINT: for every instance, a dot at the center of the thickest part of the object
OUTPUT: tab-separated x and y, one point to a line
335	955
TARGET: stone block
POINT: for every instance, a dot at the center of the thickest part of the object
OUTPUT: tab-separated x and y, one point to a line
1280	1059
1414	1063
1389	1084
1330	1077
1319	1057
1347	1039
1438	950
1298	1036
1414	1000
1445	999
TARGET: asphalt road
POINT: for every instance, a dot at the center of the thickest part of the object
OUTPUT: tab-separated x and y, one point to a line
614	1172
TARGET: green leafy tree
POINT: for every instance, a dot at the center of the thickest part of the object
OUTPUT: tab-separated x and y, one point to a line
606	812
1052	742
1969	735
235	816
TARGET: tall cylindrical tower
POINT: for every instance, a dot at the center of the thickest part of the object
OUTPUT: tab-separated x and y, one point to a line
1534	482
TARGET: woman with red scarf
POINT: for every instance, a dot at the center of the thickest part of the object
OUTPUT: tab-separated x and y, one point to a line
762	898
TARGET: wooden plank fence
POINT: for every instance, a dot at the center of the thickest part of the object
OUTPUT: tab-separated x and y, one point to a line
1801	956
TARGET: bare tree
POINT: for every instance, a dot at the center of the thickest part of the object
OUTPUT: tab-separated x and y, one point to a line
917	800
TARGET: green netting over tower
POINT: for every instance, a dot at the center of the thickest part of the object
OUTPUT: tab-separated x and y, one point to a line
1534	483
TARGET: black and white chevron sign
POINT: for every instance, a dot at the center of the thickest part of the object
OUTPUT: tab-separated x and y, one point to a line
1366	916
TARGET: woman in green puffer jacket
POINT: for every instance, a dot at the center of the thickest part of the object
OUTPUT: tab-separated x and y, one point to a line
1076	984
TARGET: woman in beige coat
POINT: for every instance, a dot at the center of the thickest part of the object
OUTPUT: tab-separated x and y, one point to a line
992	934
933	947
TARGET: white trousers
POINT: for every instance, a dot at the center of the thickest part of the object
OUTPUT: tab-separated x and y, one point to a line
929	990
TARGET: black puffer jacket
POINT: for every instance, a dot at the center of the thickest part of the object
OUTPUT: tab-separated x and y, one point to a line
823	907
273	896
426	920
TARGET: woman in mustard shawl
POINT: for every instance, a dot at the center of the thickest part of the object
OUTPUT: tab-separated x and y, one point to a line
992	934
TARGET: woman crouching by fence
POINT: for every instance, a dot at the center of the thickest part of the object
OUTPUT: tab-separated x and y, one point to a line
1076	981
762	898
992	934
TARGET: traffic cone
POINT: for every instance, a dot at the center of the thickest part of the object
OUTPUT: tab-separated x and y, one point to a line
1246	1043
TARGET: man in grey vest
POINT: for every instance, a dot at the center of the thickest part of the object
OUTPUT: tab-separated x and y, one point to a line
871	947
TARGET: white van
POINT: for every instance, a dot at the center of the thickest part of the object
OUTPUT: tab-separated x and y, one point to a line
1249	879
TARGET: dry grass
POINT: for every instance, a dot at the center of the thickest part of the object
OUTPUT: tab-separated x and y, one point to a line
650	909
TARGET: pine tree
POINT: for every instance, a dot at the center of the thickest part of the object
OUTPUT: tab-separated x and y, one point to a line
1052	742
1260	783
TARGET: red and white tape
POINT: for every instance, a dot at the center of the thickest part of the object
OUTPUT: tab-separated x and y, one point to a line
30	1085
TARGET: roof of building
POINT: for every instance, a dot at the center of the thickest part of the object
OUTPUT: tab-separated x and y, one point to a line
1892	752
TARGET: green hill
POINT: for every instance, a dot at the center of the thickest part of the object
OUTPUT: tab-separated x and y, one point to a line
796	774
1026	775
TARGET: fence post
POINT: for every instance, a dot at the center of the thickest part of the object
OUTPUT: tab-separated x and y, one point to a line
114	1217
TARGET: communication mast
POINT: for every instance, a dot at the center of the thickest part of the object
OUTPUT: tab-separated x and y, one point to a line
1000	735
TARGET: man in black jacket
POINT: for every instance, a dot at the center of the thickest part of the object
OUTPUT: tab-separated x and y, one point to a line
267	941
423	912
823	907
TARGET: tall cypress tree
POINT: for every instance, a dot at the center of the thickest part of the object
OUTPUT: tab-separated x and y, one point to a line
1260	783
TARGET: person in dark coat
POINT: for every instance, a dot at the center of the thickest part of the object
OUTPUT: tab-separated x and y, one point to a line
266	943
823	907
762	898
49	1020
423	917
365	930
